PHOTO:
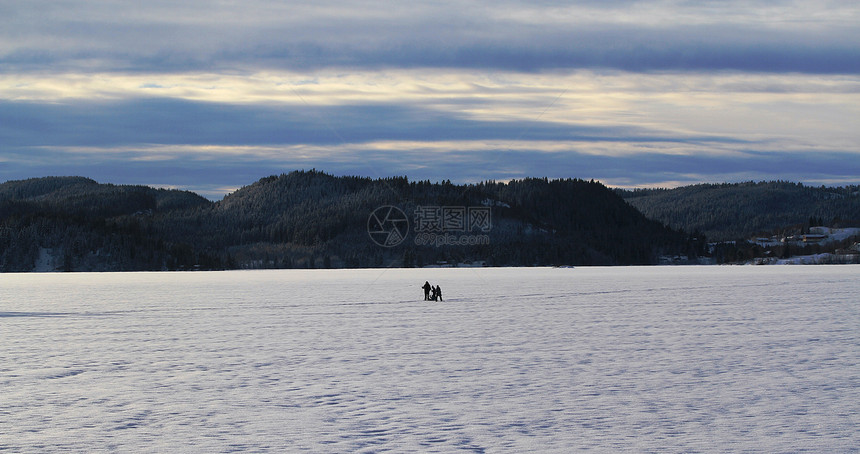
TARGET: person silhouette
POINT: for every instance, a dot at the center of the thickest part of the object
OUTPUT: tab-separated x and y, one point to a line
437	292
427	288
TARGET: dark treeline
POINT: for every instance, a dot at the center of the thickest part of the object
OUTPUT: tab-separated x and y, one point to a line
88	226
725	212
309	219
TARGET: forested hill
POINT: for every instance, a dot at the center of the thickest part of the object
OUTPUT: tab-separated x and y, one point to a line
734	211
76	223
308	219
85	197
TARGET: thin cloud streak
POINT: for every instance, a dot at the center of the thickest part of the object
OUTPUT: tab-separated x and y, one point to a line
195	169
631	36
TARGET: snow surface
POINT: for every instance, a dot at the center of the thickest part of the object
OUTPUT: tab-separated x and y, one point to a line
660	359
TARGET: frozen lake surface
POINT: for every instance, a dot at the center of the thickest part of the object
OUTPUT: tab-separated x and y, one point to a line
661	359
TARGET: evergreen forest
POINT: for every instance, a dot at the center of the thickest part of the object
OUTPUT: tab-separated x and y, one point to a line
310	219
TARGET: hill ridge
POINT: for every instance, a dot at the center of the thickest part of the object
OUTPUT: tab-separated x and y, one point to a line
314	219
732	211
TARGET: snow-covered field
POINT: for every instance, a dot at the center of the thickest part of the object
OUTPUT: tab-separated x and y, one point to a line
662	359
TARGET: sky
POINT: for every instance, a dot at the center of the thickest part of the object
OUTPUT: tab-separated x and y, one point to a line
210	96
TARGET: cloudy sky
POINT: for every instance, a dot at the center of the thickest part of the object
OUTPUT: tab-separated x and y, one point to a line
212	95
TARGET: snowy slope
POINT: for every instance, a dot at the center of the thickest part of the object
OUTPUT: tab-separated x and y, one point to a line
663	359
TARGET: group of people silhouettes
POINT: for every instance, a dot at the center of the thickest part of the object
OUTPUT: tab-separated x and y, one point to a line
432	293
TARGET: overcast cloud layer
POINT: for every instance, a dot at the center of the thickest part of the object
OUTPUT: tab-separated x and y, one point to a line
210	96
